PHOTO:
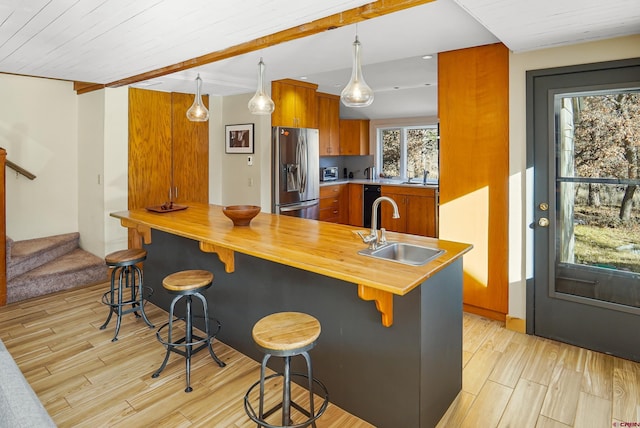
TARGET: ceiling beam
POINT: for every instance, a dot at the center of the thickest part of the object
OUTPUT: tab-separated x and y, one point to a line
351	16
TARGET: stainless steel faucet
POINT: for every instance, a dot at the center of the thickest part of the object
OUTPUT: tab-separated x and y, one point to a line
372	239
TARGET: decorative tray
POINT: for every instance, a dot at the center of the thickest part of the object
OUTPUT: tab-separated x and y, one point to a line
166	208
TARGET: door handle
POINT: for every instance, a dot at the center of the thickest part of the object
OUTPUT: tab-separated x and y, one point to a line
543	222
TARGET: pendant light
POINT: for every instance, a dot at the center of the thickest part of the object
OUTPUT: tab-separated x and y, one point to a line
198	112
357	93
261	103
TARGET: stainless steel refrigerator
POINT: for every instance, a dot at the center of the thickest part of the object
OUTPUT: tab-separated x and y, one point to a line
296	172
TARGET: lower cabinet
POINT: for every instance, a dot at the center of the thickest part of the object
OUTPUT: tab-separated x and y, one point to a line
356	204
418	209
334	203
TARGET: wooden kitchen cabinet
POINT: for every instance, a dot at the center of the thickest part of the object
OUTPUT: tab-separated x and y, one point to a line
356	204
354	137
418	209
334	203
166	150
329	124
296	104
474	83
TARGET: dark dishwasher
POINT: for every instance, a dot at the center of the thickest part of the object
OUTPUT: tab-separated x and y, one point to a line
371	193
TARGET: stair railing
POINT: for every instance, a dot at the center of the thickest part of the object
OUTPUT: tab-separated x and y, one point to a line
3	230
18	169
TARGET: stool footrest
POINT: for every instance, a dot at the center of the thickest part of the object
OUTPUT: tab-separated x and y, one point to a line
310	418
147	292
182	341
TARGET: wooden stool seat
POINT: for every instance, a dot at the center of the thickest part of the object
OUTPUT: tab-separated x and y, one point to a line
134	255
126	275
286	331
187	280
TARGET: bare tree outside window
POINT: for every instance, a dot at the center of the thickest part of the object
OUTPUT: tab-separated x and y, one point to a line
598	176
409	152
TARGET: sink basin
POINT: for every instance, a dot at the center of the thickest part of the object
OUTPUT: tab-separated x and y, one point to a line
414	182
408	254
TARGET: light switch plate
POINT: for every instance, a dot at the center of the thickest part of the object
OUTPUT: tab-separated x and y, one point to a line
249	160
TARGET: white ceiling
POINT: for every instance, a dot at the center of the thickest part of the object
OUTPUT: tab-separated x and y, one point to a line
103	41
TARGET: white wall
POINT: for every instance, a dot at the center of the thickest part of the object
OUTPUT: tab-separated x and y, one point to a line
520	188
116	167
241	183
91	127
38	128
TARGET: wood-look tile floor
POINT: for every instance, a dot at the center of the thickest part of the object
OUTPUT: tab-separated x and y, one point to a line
511	379
85	380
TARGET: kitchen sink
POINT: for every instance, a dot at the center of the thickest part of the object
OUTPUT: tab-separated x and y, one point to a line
400	252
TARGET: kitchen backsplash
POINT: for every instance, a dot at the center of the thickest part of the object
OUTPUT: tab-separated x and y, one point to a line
355	164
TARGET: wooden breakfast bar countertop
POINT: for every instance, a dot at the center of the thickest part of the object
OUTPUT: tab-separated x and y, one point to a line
324	248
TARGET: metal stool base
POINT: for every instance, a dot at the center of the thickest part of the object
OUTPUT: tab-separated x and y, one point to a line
287	403
115	300
190	343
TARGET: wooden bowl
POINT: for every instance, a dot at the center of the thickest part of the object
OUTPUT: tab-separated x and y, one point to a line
241	215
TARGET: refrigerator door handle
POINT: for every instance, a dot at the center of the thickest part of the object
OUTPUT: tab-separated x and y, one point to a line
296	207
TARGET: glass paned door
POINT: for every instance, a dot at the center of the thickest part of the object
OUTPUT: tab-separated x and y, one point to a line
583	145
598	200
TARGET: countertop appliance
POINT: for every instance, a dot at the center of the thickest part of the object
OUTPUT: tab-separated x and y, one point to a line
295	180
329	173
370	173
371	193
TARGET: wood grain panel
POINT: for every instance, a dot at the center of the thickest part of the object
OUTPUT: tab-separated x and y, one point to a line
329	124
473	107
3	228
354	137
315	246
296	103
356	204
149	147
190	151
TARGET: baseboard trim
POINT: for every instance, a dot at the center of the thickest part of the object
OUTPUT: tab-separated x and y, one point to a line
516	324
487	313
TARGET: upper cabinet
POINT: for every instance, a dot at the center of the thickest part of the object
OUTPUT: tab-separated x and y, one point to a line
354	137
296	104
329	124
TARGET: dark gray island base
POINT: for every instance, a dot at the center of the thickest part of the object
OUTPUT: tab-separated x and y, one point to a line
405	375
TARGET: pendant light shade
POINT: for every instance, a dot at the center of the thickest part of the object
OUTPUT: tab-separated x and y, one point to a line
357	93
198	112
261	103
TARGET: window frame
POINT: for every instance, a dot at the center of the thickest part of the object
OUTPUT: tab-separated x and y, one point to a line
403	125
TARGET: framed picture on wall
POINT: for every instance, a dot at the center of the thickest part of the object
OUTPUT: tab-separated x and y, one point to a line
239	138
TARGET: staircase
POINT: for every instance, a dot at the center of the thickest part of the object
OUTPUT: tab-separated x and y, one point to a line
40	266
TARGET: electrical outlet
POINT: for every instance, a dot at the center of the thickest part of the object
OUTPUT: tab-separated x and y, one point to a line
249	160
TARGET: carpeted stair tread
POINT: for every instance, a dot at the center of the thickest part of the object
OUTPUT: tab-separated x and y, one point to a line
73	269
29	254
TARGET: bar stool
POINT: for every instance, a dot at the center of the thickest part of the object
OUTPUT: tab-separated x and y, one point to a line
123	264
187	284
286	334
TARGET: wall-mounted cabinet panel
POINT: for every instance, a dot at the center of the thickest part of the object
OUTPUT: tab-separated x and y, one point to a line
295	102
354	137
329	124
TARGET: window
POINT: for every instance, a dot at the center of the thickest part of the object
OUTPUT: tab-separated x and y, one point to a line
407	152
